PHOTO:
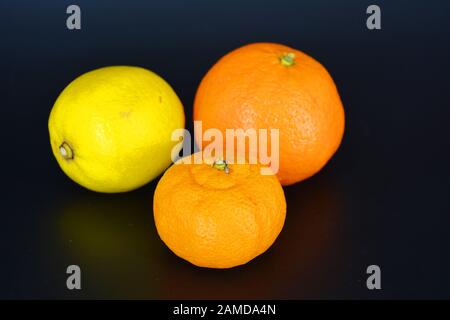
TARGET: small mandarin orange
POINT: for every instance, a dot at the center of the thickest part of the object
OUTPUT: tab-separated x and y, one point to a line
220	215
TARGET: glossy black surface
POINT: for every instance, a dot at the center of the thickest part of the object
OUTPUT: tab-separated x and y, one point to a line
383	199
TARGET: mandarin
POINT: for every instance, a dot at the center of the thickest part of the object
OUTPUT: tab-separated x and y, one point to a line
272	86
220	215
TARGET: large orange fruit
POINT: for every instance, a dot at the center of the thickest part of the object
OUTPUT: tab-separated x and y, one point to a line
218	216
272	86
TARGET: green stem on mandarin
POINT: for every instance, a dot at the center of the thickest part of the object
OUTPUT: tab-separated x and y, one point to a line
221	165
287	59
66	151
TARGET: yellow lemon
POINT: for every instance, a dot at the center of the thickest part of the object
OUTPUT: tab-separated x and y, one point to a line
110	129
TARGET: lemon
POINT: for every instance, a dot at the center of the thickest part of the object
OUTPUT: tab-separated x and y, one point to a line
110	129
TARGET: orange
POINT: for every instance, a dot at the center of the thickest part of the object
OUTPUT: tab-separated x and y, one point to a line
272	86
220	215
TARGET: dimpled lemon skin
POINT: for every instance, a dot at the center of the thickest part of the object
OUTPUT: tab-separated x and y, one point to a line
110	129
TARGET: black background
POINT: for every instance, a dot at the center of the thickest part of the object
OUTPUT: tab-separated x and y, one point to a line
383	199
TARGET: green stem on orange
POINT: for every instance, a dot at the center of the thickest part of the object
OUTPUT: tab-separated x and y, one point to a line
221	165
66	151
287	59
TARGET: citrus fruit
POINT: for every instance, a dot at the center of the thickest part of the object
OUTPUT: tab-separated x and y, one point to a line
218	216
272	86
110	129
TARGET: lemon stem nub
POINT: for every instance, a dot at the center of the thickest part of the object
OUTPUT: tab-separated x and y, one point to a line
221	165
66	151
288	59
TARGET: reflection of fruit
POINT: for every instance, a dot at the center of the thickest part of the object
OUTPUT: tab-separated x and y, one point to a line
215	217
271	86
110	129
107	244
